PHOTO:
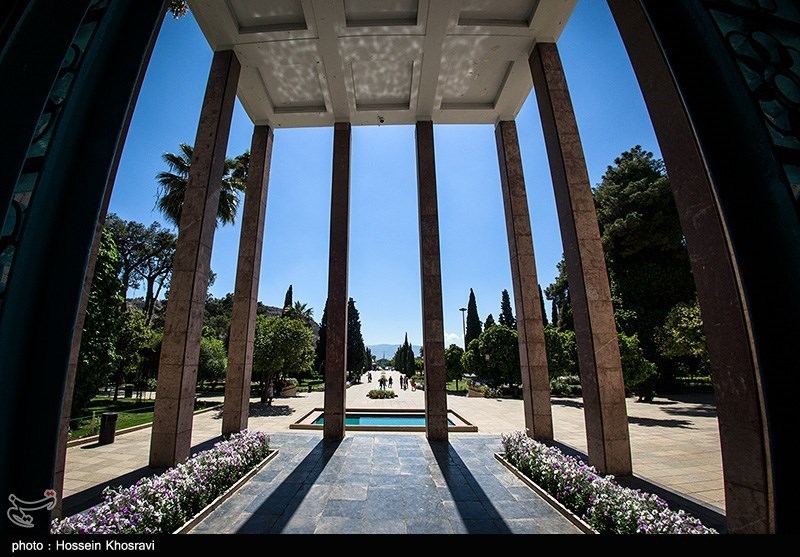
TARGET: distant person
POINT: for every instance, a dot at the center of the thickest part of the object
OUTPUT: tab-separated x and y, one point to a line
390	382
270	393
413	384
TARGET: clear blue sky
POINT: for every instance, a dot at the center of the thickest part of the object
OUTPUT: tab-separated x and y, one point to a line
384	251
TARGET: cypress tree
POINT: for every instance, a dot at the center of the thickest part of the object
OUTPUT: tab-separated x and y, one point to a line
554	314
541	301
473	321
489	322
319	359
287	302
355	342
506	315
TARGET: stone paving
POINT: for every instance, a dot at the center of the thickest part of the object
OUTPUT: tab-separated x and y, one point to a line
385	484
675	442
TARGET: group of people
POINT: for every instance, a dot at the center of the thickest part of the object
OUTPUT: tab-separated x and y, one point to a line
383	382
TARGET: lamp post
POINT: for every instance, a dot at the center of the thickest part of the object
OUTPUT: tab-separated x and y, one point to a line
464	326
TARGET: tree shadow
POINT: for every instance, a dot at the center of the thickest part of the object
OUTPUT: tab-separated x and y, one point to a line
465	490
567	402
697	412
663	422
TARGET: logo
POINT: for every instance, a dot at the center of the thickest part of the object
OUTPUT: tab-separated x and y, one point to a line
17	511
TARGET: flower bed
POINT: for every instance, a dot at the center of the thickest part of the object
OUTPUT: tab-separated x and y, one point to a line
377	393
161	504
605	505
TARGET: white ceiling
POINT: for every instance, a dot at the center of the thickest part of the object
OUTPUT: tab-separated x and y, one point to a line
369	62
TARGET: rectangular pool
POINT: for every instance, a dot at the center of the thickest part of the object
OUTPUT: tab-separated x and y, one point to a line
382	420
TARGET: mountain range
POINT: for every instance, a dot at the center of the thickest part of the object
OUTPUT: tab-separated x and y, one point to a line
378	350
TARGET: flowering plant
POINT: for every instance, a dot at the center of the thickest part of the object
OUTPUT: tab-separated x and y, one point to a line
161	504
605	505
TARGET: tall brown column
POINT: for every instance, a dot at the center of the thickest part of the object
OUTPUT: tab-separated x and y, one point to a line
431	271
530	327
180	349
336	347
595	330
245	297
734	367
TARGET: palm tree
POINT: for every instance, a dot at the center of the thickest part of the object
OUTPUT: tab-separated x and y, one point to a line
173	184
301	312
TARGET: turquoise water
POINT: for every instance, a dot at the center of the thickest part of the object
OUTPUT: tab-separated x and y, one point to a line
384	420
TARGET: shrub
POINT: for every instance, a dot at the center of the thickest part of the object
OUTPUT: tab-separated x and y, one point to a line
639	373
562	351
162	504
490	392
566	385
377	393
605	505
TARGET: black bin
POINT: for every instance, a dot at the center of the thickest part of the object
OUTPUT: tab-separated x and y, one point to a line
108	428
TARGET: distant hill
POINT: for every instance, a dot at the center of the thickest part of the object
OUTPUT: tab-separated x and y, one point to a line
378	350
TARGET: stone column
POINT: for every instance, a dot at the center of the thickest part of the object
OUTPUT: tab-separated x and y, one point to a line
336	347
530	327
749	493
180	349
431	272
595	330
245	297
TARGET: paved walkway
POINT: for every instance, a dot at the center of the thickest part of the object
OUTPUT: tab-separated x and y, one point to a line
385	484
675	442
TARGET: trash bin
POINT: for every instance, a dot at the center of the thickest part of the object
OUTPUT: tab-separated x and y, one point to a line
108	428
128	391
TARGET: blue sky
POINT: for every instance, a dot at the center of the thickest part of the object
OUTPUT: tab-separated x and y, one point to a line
384	251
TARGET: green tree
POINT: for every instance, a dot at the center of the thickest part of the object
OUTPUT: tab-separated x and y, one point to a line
453	364
682	338
473	361
301	312
98	357
320	352
368	359
218	315
283	347
541	301
133	340
562	352
554	314
489	322
404	358
355	342
173	183
638	372
506	315
473	321
213	358
499	346
287	302
558	292
643	242
178	8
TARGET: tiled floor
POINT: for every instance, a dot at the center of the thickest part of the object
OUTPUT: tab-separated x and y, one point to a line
675	442
384	483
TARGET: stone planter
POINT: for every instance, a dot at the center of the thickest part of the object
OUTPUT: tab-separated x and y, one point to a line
195	520
555	503
473	393
291	390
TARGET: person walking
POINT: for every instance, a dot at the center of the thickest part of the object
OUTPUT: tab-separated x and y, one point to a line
413	384
390	382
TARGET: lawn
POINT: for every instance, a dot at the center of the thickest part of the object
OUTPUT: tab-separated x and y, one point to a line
452	390
131	412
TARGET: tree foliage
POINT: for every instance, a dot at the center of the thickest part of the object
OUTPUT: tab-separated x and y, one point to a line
682	338
98	357
638	372
404	360
213	358
287	301
506	314
283	347
174	181
489	322
494	356
473	321
355	342
562	352
452	362
321	349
